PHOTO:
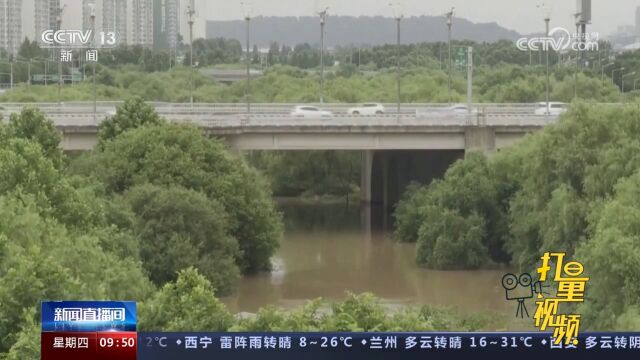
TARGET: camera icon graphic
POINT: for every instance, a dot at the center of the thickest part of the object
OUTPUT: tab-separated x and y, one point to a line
520	288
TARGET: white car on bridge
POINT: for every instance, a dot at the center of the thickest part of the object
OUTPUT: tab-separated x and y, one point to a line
368	109
307	111
555	108
455	110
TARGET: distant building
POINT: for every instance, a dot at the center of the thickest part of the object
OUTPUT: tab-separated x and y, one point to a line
114	19
10	25
166	23
88	7
48	16
142	21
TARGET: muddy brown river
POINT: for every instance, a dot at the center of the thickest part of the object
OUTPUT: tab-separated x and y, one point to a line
328	250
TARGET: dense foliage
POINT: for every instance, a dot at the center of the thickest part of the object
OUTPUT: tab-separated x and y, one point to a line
344	83
48	229
309	173
571	188
186	164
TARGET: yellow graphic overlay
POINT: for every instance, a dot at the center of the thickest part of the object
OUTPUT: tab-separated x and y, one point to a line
571	289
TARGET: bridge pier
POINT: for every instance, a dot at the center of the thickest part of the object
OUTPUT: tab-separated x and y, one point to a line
366	166
480	138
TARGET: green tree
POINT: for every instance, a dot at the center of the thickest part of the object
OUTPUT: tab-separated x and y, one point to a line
612	259
459	221
187	304
31	124
182	155
180	228
132	114
25	170
31	50
41	259
450	241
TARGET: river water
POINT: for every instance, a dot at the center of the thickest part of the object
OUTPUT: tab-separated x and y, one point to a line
328	250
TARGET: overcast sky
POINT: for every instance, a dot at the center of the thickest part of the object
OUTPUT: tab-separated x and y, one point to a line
520	15
523	16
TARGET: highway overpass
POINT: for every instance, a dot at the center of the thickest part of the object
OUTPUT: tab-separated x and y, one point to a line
395	148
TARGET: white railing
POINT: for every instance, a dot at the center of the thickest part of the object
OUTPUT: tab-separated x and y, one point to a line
258	108
362	123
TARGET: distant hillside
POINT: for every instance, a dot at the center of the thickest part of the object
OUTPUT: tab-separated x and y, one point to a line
349	30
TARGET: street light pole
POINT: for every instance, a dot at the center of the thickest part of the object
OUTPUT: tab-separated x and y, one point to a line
190	13
398	76
247	18
397	15
29	72
547	19
469	78
323	18
449	16
613	72
602	70
575	72
11	75
248	65
59	22
95	96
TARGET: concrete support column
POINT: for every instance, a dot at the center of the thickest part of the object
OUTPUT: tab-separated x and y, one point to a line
385	191
480	138
366	164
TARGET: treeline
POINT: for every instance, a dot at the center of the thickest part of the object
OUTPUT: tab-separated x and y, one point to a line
509	83
573	187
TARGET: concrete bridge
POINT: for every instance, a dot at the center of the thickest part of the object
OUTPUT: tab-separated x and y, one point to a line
396	149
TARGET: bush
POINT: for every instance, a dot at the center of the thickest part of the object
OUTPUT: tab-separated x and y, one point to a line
188	304
180	228
180	155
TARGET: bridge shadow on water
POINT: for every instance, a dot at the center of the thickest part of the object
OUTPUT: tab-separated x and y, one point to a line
393	171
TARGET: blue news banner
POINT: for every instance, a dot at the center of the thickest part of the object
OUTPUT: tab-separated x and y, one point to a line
356	346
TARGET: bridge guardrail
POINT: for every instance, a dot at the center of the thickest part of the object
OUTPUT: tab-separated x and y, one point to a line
343	120
267	108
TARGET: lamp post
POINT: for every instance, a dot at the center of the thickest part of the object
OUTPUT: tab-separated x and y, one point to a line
247	17
323	19
634	84
190	12
11	75
29	72
45	62
575	72
59	23
602	70
613	72
449	17
547	20
95	94
625	75
397	15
